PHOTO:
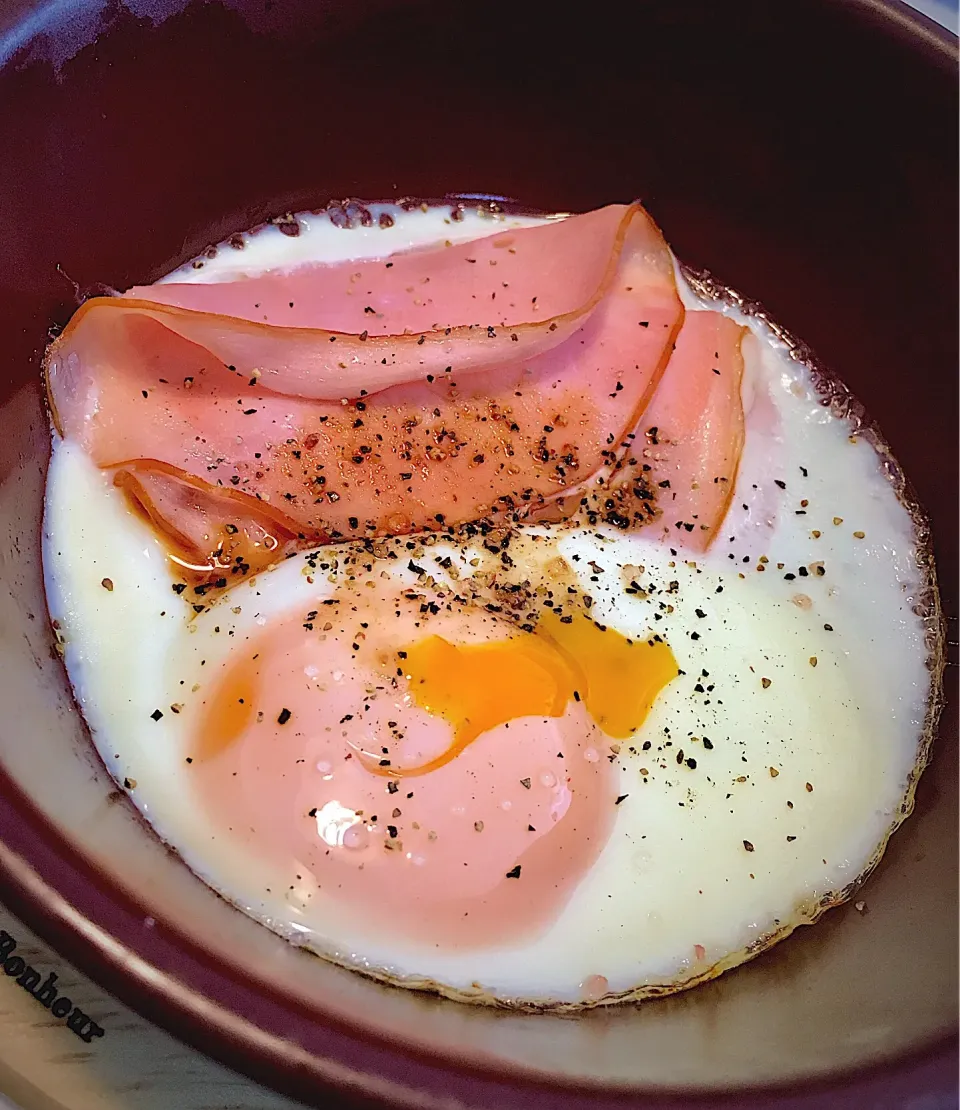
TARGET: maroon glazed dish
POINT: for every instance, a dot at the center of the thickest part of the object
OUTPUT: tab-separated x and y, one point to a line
807	159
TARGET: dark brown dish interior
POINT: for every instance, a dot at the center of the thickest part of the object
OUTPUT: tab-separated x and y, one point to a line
806	157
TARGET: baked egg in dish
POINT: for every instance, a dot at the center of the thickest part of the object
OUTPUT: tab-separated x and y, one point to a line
484	602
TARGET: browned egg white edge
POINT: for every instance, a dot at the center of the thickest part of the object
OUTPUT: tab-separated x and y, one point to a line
843	405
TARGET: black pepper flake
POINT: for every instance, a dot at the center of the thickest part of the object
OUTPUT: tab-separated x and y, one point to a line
828	628
312	812
777	482
525	783
748	845
392	787
514	873
156	714
285	716
622	798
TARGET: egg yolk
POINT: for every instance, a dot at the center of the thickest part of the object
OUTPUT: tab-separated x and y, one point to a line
477	687
232	712
619	678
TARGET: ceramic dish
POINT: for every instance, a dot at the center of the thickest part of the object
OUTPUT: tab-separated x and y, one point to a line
805	154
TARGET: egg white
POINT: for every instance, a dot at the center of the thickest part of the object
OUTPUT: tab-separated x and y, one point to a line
699	867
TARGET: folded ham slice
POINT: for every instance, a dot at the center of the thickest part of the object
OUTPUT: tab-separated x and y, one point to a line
492	380
234	471
327	331
678	473
692	433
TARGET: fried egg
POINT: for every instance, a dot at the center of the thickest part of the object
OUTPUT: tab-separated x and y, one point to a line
370	750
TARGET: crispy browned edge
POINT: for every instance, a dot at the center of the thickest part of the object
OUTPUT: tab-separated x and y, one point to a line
844	405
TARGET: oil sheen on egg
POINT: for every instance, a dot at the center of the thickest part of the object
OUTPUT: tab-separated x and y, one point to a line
321	747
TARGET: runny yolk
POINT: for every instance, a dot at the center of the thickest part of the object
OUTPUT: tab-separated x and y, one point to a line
231	712
621	678
477	687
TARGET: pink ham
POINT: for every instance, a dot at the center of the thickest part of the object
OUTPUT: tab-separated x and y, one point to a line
677	476
693	431
161	409
342	330
486	849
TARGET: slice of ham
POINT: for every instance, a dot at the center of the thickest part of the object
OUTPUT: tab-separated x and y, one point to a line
678	474
329	331
193	443
693	431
